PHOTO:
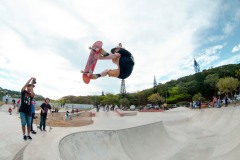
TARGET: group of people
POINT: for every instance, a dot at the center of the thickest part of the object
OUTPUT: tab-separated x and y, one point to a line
27	109
106	107
217	102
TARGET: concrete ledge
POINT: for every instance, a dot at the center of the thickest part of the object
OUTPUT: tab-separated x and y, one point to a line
126	113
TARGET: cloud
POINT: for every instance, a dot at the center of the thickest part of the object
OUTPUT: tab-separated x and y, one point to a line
236	48
230	60
210	55
228	28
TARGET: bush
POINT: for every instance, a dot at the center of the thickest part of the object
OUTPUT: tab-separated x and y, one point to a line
179	97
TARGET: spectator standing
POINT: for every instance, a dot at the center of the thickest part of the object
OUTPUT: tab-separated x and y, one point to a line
214	101
13	103
44	110
226	100
199	103
27	94
6	100
219	103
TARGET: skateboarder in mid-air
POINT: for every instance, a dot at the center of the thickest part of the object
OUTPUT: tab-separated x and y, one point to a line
122	58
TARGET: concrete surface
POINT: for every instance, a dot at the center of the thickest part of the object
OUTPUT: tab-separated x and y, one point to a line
178	134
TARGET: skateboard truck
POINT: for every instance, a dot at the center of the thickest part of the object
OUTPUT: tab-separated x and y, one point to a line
90	71
94	49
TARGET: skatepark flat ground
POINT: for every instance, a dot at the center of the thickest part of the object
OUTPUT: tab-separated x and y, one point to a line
177	134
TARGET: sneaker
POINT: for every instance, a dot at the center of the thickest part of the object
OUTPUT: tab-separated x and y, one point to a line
44	130
29	137
33	132
39	128
25	137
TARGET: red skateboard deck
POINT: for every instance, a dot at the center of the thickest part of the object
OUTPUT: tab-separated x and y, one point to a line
91	63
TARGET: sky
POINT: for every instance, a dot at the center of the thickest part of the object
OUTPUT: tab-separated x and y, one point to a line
49	40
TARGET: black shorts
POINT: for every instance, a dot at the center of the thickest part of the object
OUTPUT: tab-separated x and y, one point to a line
126	67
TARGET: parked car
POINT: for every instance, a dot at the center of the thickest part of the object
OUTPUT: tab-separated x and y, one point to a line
156	107
149	106
132	107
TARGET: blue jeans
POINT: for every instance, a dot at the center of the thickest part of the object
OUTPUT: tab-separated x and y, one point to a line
43	122
25	119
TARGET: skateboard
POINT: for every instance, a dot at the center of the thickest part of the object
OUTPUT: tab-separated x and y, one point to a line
92	61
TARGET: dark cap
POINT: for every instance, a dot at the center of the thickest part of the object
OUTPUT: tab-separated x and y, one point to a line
113	50
117	47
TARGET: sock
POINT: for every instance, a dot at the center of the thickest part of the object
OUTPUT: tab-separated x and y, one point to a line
95	76
105	54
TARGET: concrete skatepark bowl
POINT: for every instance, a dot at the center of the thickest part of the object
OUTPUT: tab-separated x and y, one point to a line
200	134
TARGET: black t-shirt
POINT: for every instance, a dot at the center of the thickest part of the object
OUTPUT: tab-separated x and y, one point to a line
126	63
45	107
26	101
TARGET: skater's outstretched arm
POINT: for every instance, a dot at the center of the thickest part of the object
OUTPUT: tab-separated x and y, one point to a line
30	85
109	56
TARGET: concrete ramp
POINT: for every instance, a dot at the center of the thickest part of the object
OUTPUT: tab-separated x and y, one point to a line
139	143
209	134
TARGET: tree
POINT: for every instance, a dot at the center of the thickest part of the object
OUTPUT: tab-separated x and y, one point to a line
238	74
161	89
227	85
174	91
110	99
238	77
211	80
156	98
139	97
124	102
183	87
197	96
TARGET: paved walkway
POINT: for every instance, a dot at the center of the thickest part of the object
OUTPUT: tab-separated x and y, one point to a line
180	133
